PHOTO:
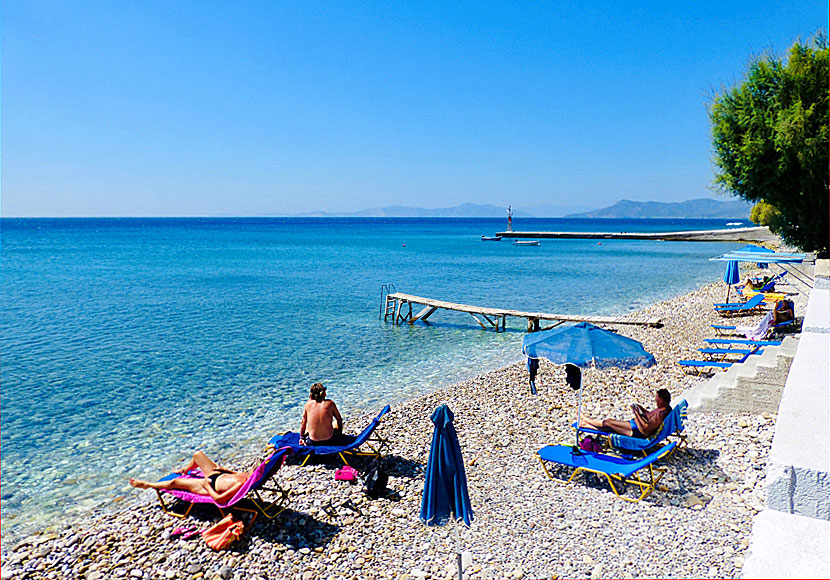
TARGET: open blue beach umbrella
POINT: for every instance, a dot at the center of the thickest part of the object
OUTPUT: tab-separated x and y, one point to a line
585	345
759	249
445	484
731	276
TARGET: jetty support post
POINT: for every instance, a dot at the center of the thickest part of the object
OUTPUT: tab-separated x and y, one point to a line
406	316
533	325
424	314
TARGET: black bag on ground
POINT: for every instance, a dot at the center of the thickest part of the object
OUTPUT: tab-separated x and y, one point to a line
375	480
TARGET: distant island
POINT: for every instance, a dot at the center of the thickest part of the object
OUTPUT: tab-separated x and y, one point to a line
470	210
693	208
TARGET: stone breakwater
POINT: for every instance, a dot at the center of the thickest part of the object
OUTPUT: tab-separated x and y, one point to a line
526	526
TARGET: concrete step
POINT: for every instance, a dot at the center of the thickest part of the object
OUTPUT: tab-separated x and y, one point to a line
753	386
788	546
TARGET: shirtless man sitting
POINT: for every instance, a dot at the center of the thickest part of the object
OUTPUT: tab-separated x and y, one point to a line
319	417
644	424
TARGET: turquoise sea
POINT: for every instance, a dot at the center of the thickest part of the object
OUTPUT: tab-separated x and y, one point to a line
127	343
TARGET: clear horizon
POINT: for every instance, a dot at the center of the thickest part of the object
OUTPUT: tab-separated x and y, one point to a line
166	110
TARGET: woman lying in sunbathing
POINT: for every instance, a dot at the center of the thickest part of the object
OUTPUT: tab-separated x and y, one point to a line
219	483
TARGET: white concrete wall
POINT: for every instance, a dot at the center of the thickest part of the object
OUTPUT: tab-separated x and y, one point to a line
799	462
791	538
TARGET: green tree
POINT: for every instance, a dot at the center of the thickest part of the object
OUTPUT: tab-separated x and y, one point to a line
770	139
766	215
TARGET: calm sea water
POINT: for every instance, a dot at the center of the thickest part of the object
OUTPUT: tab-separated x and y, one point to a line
128	343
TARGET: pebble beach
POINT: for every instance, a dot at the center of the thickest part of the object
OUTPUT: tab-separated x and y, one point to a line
526	526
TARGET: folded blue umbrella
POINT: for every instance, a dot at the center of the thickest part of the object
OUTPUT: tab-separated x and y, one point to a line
445	484
731	276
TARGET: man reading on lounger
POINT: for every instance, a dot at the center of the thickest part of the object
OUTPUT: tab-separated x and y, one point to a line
219	483
319	416
784	311
644	424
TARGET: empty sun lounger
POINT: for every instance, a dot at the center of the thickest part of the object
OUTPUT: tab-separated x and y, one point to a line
369	443
255	483
742	341
750	305
724	352
617	470
743	304
699	365
672	426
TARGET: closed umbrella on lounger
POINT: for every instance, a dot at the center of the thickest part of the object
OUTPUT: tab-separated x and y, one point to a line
584	344
445	483
731	276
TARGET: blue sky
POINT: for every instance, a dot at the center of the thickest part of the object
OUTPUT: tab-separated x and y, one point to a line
278	108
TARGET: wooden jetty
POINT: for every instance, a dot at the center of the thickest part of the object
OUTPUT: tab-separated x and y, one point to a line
748	234
398	307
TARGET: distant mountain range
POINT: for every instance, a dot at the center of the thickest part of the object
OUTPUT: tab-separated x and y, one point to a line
471	210
693	208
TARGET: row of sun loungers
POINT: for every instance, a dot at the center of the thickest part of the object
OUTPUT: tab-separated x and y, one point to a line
628	460
719	355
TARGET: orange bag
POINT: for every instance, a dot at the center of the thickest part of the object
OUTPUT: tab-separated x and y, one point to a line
224	533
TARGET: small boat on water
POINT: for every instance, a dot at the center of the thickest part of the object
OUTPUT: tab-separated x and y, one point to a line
526	243
490	238
734	224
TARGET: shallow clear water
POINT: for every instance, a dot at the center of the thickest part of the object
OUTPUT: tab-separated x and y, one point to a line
128	343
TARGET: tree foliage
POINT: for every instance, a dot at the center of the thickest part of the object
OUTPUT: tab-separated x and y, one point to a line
770	140
766	215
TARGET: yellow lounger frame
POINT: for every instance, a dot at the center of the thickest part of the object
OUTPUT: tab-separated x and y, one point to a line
646	485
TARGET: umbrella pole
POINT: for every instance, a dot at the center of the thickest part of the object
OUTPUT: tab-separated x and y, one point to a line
728	288
458	552
579	411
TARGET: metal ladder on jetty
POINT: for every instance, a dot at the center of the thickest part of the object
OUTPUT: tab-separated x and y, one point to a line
387	305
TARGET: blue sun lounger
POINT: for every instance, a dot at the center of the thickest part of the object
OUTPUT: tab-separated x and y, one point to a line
617	470
741	308
742	341
373	443
725	352
705	364
672	426
726	330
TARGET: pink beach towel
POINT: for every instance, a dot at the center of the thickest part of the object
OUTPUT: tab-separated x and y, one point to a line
255	480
